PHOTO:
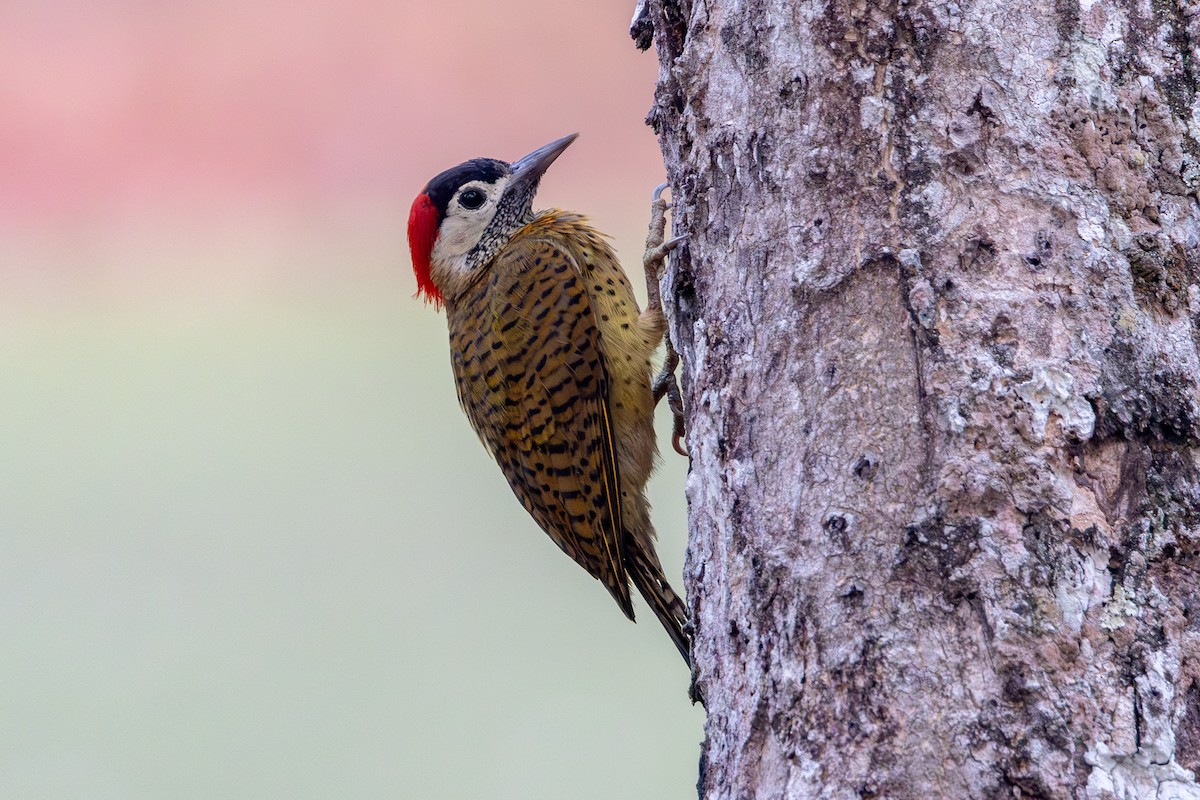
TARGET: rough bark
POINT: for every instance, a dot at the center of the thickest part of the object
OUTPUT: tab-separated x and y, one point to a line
939	317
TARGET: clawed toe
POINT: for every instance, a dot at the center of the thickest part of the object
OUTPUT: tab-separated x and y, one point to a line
654	255
675	402
678	446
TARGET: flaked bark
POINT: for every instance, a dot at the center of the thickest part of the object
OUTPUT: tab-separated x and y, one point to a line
939	314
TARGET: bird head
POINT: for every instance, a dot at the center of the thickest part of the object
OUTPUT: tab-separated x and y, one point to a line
464	215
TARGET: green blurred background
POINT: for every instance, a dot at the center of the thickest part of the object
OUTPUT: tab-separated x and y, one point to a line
249	546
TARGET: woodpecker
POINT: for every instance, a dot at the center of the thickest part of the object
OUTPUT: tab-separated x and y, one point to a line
551	360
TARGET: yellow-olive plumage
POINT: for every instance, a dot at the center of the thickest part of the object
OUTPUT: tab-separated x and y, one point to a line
552	363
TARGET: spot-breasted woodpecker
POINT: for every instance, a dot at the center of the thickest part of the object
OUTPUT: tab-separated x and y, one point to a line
551	359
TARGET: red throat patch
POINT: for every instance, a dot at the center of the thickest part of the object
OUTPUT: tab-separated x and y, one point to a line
422	233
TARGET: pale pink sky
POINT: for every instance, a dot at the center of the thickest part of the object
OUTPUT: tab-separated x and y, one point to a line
123	113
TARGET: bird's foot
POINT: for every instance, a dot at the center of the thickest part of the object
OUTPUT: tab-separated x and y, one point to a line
656	247
665	384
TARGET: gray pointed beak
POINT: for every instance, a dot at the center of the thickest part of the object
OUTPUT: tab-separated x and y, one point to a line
530	168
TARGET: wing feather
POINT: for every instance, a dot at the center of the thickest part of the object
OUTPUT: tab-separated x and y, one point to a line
531	376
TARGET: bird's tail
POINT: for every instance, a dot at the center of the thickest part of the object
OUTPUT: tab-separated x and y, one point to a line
669	609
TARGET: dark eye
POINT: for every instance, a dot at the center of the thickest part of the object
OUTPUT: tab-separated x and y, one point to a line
471	198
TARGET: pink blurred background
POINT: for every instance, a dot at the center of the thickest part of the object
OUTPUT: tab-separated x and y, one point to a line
249	546
135	135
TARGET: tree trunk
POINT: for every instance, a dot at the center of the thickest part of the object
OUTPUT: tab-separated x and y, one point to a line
939	316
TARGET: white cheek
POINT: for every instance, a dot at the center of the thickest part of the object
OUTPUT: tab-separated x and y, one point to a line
458	236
